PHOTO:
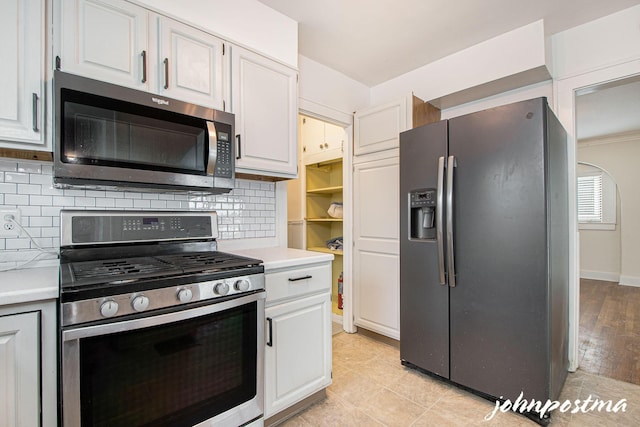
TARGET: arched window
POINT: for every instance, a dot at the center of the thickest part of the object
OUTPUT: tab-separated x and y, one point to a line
597	198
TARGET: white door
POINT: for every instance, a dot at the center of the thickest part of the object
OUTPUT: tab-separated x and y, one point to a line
190	64
298	351
264	95
376	263
378	128
105	40
19	370
21	74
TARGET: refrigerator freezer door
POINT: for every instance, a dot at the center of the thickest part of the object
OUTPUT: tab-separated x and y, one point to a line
424	301
498	310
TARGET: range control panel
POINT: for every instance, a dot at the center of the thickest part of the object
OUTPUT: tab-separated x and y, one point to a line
91	227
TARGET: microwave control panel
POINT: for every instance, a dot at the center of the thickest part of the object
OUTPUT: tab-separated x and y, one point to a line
224	163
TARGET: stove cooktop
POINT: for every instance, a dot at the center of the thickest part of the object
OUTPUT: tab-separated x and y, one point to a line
118	271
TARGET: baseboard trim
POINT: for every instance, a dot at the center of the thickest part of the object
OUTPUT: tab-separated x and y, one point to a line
378	337
630	281
336	318
294	409
600	275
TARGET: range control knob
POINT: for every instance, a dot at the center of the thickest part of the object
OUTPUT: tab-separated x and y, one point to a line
185	295
221	288
242	285
140	303
109	308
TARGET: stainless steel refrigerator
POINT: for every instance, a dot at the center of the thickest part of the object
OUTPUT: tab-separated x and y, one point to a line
484	251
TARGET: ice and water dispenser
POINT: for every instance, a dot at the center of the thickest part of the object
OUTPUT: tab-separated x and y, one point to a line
422	205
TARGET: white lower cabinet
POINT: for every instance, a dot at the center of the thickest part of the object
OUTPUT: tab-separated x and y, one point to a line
376	259
297	335
19	370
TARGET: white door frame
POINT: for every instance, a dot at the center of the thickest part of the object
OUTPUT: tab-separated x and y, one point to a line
345	120
565	106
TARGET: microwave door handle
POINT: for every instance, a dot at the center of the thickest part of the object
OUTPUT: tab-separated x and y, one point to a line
213	147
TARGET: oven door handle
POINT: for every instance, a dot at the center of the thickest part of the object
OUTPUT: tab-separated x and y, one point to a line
270	340
146	322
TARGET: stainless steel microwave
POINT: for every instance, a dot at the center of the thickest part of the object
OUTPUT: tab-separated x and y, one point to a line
112	136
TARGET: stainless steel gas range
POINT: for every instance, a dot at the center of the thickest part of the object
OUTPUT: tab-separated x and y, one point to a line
157	327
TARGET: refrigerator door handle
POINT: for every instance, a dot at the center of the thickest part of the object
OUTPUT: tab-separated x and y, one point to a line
451	164
440	220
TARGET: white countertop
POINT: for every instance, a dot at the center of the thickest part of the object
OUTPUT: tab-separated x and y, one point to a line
28	285
279	257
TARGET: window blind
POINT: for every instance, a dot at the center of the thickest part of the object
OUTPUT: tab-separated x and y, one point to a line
590	198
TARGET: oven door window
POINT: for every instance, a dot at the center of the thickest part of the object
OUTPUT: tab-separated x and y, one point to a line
107	132
176	374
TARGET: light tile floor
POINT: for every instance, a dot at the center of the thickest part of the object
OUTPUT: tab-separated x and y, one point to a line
371	388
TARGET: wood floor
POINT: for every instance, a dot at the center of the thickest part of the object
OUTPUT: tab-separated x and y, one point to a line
610	330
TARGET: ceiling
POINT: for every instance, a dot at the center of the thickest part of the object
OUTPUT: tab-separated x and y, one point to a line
609	109
372	41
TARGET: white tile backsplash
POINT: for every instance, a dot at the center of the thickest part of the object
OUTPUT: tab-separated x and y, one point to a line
248	211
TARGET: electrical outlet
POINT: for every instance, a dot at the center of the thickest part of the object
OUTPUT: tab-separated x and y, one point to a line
8	228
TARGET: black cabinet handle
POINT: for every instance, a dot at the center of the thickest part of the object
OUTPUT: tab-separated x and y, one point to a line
300	278
35	112
166	73
239	147
144	66
270	340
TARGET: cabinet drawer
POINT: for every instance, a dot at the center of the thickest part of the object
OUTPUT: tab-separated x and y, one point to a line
297	282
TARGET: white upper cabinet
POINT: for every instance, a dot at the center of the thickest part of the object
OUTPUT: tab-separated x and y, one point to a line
264	95
191	64
22	98
105	40
378	128
124	44
321	141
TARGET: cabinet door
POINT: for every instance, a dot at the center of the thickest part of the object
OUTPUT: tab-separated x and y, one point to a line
19	370
264	95
21	74
378	128
376	262
190	64
334	137
105	40
298	351
312	134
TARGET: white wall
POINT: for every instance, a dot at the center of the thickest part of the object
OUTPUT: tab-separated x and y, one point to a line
325	91
245	22
601	43
514	53
581	61
619	157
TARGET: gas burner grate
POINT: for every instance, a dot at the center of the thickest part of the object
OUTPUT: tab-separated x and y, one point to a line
119	267
205	261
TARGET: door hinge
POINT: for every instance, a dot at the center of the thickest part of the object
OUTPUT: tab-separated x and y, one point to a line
304	120
58	62
224	105
223	48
